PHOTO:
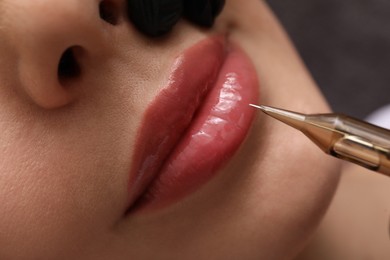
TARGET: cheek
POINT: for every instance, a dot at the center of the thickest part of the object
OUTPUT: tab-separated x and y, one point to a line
65	183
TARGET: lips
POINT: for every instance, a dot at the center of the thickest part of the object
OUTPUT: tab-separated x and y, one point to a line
195	124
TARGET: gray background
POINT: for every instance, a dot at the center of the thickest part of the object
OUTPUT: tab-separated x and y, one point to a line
346	46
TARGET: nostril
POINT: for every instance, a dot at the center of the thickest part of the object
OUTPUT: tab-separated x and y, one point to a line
68	67
109	12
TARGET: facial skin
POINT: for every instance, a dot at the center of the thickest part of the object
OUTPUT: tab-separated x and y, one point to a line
66	143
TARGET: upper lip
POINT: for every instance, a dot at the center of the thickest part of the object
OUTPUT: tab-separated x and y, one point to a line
171	113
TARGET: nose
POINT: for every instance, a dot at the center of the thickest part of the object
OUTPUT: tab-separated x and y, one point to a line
53	39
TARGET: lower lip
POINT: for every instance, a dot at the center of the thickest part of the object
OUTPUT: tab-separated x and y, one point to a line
216	130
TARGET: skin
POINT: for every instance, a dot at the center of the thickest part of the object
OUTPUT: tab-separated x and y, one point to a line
66	145
356	226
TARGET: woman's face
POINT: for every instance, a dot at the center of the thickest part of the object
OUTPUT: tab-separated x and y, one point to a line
117	145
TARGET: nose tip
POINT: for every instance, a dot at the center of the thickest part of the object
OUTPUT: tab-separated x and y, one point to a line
51	38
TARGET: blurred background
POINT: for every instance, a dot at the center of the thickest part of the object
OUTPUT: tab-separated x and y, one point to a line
346	46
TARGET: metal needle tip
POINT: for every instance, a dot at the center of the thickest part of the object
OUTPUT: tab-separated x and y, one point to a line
291	118
256	106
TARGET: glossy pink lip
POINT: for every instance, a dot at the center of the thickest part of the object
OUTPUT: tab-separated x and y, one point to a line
194	125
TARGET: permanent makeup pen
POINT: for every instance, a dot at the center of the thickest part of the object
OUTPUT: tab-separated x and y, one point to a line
342	136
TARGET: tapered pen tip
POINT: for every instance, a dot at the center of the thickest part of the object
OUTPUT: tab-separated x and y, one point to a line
257	106
291	118
265	109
